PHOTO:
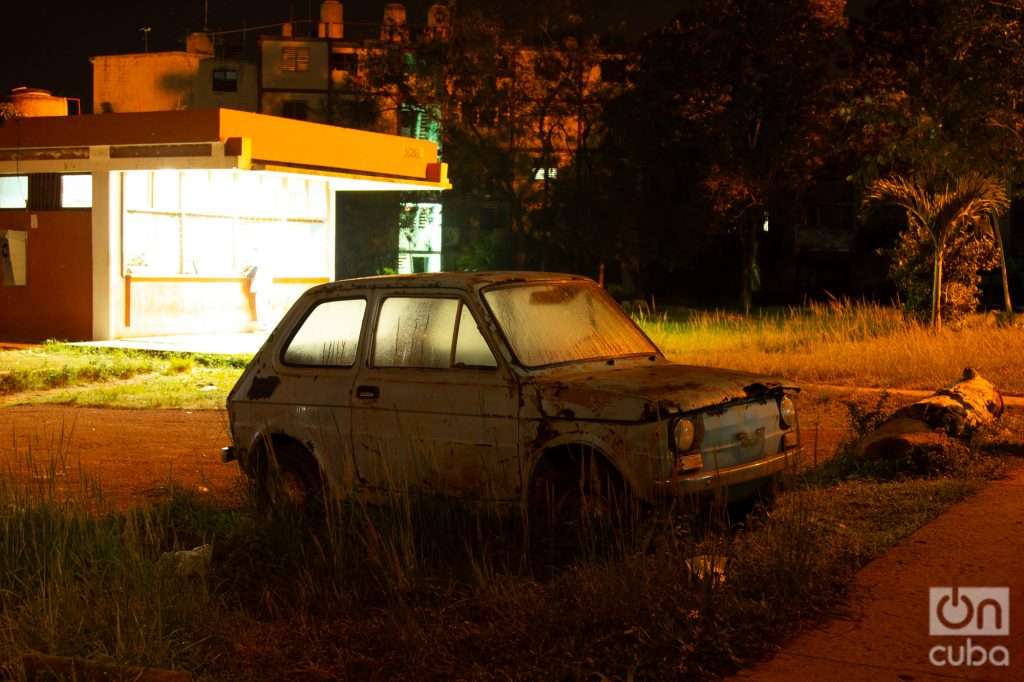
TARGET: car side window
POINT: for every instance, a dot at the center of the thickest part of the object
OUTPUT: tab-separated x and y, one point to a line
471	350
329	336
415	332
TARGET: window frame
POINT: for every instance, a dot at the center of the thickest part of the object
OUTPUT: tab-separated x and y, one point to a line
219	77
292	108
295	58
297	327
462	301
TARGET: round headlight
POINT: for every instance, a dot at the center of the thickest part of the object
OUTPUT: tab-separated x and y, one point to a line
787	412
683	433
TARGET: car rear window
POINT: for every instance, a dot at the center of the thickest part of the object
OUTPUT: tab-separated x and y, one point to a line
421	332
329	336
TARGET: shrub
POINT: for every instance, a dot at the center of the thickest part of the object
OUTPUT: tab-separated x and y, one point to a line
969	251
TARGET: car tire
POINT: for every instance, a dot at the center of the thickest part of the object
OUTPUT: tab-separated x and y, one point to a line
583	493
288	479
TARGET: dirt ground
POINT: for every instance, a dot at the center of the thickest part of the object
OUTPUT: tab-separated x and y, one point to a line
135	455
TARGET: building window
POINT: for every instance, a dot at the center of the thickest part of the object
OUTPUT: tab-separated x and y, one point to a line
14	191
295	108
295	58
545	173
420	123
345	61
76	191
225	80
419	238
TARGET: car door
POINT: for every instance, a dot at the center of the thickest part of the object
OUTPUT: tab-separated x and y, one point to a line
435	408
317	367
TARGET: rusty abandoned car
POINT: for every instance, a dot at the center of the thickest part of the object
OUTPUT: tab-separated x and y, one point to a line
495	387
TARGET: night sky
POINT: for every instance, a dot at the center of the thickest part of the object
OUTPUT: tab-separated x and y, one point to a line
47	44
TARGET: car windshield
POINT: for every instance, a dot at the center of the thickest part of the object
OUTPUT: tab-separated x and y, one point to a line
551	323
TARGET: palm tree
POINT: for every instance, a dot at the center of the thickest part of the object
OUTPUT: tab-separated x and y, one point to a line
973	198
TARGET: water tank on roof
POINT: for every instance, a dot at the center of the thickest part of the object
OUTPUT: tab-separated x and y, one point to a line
199	43
394	29
28	102
332	20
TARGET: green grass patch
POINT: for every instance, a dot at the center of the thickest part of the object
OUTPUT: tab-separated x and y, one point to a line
59	373
200	388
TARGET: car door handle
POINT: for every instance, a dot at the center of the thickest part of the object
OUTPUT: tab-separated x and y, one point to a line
367	392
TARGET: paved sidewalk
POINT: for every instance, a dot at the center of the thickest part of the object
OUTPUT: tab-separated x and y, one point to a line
241	343
978	542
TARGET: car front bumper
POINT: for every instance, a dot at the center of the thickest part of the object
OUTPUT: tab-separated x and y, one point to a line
738	474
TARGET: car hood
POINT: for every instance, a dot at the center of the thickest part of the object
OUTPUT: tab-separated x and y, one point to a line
643	392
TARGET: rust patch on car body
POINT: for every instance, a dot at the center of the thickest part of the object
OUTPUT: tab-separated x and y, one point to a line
262	388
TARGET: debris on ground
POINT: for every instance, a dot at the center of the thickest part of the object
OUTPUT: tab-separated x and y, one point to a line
188	562
942	421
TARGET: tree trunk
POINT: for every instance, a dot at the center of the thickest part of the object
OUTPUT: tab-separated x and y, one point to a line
1007	304
745	295
937	290
518	232
748	249
954	412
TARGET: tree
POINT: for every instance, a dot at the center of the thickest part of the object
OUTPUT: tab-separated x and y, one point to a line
508	109
739	88
936	89
968	203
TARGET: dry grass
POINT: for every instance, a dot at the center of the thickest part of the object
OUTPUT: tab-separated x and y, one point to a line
427	589
843	343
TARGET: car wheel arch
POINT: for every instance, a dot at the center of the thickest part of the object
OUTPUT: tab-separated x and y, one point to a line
558	454
265	442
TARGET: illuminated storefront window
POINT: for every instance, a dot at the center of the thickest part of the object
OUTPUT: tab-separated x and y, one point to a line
219	223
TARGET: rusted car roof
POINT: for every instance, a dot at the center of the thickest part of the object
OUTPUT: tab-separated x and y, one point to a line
452	280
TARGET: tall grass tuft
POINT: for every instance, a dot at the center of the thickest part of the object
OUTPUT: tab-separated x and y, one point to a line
425	587
79	581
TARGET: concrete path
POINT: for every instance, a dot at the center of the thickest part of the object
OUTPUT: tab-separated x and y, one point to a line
241	343
885	636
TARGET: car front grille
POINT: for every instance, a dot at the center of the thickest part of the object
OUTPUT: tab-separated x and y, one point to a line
740	433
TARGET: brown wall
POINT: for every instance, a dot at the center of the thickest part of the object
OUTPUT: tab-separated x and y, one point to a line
57	302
